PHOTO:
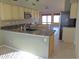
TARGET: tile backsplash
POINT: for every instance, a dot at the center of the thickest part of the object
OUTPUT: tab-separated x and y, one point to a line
8	23
15	22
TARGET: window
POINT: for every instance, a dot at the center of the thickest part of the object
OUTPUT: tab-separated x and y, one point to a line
56	18
46	19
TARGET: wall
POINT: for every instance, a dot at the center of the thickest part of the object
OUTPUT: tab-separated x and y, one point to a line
35	44
77	33
55	24
67	5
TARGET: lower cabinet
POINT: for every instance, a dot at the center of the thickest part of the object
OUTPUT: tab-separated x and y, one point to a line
51	44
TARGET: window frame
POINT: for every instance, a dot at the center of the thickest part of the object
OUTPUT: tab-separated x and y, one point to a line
47	19
54	19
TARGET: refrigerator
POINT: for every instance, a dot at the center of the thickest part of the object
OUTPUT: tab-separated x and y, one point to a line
65	21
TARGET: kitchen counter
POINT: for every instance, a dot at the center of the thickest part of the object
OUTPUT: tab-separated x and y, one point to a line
37	30
41	41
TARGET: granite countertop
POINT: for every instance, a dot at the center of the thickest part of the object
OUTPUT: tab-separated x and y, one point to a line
45	32
37	30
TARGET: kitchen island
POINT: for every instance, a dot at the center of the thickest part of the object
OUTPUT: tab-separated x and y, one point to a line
39	41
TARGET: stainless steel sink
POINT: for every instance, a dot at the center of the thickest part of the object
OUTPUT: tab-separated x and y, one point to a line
31	29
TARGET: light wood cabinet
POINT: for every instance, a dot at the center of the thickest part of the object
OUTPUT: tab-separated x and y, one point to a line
1	11
51	44
26	9
5	11
33	14
37	15
21	13
15	12
29	10
73	11
12	12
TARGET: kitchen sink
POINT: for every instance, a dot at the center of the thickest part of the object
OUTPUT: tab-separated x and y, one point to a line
31	29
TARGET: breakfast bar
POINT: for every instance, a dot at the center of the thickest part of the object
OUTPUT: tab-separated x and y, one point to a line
33	40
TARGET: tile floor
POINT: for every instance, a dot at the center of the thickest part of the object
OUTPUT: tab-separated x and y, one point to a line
8	53
62	50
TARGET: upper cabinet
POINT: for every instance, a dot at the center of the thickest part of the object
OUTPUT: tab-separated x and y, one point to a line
15	12
26	9
21	13
73	11
33	14
5	12
37	15
29	10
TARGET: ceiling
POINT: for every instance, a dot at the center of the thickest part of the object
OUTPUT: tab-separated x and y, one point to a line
41	5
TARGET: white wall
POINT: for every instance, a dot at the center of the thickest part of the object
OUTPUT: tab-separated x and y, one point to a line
35	44
67	5
77	33
55	24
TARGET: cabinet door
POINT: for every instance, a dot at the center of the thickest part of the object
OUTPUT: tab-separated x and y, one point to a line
5	11
25	9
1	11
15	12
29	10
51	44
73	12
21	13
36	15
33	14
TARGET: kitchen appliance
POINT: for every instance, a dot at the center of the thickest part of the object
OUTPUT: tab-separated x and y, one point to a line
27	15
65	21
